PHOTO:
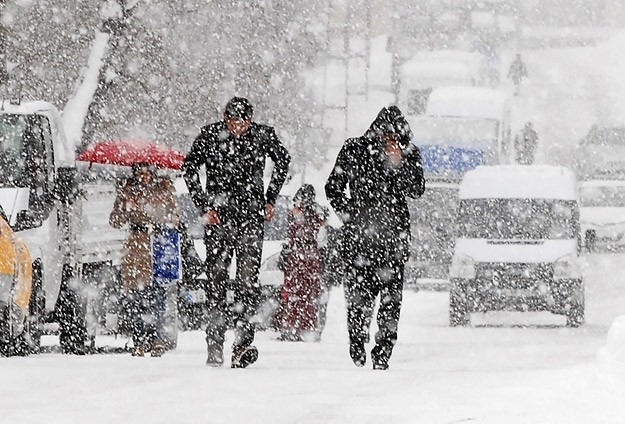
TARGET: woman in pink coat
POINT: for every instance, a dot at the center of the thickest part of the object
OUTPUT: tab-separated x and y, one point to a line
303	268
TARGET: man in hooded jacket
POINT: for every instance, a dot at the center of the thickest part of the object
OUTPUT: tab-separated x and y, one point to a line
234	203
380	169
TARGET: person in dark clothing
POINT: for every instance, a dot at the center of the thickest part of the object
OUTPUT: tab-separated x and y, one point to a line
517	72
380	169
525	144
234	152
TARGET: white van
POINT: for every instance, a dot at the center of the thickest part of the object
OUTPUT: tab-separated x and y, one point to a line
517	243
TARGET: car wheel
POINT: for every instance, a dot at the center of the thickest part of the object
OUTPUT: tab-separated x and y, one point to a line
591	240
458	308
36	309
575	315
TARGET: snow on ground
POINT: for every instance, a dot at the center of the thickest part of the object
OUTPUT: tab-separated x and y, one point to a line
493	372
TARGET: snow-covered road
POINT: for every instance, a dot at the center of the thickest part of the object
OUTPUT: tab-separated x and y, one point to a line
513	368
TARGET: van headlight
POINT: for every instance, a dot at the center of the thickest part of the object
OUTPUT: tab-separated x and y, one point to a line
6	283
462	266
567	267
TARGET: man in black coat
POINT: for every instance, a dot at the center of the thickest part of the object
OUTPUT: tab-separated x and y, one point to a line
380	169
234	203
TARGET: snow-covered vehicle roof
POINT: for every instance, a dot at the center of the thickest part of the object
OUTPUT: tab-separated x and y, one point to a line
418	73
519	182
467	102
603	183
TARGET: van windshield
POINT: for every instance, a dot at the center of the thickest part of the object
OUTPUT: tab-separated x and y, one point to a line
21	149
531	219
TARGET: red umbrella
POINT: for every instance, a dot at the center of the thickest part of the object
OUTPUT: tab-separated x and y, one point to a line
129	152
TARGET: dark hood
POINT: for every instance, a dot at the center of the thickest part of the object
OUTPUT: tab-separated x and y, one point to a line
390	120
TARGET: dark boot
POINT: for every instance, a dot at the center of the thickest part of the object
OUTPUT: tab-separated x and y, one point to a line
380	357
215	355
358	353
158	349
243	356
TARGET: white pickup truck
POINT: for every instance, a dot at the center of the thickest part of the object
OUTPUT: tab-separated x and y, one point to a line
59	208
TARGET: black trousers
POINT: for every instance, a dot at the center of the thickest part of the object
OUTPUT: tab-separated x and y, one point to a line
363	283
147	315
245	239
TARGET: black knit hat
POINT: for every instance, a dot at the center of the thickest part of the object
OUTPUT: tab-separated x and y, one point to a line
239	107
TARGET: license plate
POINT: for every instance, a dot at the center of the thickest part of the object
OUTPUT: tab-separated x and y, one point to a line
515	292
196	296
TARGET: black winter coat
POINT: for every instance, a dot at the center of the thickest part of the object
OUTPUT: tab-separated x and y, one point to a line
376	220
234	170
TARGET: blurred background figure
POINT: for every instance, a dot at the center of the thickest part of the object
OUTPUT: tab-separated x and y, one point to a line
525	143
303	268
517	72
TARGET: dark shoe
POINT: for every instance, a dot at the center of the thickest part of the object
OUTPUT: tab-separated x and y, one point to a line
380	358
358	353
244	356
290	336
215	355
158	349
139	352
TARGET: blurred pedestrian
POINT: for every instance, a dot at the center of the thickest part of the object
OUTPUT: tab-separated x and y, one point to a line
147	204
303	268
378	170
234	203
525	143
517	72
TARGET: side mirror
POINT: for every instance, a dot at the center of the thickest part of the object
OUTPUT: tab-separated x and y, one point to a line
25	220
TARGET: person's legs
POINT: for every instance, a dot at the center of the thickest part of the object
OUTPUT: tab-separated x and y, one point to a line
391	282
248	247
157	305
218	257
135	312
360	295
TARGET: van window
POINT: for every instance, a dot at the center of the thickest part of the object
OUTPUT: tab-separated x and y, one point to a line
602	196
12	154
418	100
532	219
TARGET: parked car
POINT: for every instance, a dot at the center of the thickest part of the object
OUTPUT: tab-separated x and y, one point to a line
601	153
518	242
602	214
